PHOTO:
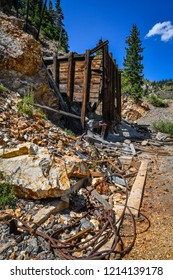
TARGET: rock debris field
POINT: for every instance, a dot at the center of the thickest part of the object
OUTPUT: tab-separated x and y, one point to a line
76	196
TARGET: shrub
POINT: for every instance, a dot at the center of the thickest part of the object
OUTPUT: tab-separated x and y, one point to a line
26	105
156	101
164	127
7	193
69	132
1	88
41	113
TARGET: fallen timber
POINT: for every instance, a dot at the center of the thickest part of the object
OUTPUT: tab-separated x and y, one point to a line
58	111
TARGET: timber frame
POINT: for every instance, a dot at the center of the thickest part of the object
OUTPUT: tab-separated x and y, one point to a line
89	78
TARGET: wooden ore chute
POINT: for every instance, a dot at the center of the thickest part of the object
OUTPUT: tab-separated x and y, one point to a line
89	78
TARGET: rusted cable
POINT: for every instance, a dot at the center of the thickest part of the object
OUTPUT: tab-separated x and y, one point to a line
93	247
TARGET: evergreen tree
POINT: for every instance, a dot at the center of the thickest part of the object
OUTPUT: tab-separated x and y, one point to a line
132	77
61	34
52	23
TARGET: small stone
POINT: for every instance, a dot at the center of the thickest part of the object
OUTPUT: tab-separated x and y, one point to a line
127	141
144	143
95	223
33	150
33	242
16	84
85	223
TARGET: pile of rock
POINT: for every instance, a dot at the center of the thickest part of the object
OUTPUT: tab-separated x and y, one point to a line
132	110
44	163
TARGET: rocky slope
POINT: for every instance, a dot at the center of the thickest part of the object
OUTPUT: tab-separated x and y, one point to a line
21	67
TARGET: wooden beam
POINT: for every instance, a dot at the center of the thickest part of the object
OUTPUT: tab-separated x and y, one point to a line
110	84
56	89
70	81
85	87
136	194
55	68
105	111
58	111
112	109
100	46
119	93
44	213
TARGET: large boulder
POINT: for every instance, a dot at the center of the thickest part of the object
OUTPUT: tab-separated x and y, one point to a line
18	50
21	63
36	174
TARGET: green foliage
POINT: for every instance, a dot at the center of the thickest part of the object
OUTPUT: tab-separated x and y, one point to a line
1	88
7	193
156	101
41	113
52	23
26	105
69	132
164	127
132	76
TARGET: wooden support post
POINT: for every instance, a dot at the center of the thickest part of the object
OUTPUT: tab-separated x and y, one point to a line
105	106
70	81
55	68
85	87
113	90
111	93
119	94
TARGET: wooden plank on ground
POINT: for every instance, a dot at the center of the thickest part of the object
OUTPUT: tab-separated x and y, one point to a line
43	214
136	194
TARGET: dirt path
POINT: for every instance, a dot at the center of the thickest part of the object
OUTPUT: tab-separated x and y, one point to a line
157	242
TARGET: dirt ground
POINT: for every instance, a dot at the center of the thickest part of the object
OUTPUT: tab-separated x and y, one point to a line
156	242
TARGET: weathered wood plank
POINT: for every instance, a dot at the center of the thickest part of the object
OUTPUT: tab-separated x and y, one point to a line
118	95
136	194
70	80
105	83
57	111
100	46
86	87
43	214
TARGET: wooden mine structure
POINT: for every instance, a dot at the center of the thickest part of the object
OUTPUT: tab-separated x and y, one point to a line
90	78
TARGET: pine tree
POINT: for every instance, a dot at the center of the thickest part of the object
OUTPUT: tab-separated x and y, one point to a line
132	77
52	22
61	34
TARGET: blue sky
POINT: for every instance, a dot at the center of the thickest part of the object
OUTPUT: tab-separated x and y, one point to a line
87	21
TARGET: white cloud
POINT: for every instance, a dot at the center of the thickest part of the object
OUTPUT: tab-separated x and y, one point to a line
165	29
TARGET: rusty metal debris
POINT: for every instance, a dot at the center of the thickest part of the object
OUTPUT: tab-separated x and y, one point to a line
92	247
